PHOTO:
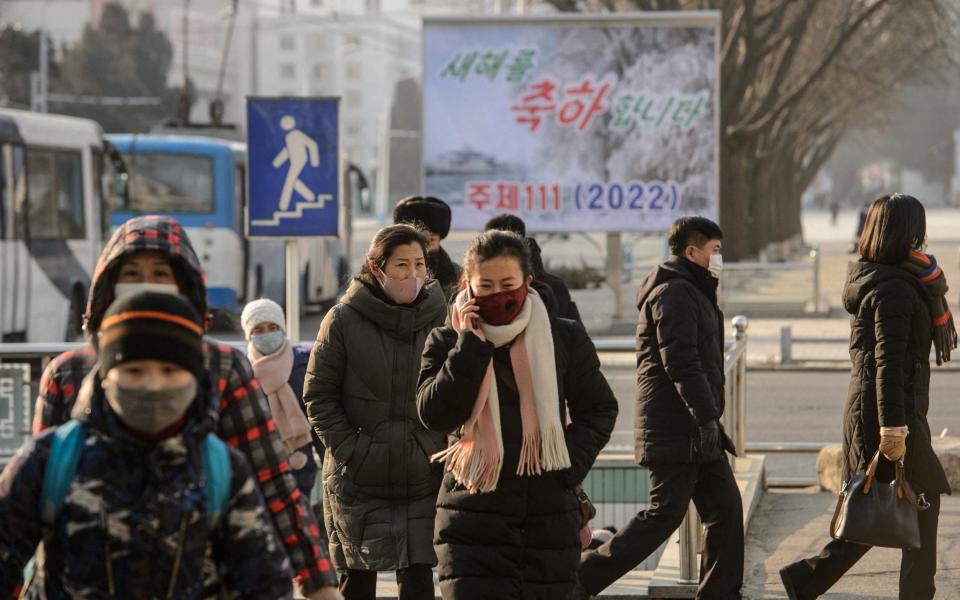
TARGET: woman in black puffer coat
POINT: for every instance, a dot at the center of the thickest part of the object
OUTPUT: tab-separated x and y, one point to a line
895	295
379	486
507	517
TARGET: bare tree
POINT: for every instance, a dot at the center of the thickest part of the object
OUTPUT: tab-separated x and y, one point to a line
795	76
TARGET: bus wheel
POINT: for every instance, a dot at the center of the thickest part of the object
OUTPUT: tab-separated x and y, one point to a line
75	319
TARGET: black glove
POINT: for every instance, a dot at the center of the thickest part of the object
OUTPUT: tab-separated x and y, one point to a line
711	447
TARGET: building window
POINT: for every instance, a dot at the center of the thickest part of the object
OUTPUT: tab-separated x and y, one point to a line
318	71
353	70
351	42
354	98
288	71
354	128
287	42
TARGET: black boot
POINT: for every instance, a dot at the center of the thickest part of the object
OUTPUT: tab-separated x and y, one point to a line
791	575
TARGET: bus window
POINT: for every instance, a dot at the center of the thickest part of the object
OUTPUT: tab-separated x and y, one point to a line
69	195
11	192
18	191
239	196
6	200
170	182
110	183
55	184
43	219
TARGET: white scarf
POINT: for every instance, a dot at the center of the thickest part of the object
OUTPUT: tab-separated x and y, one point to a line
476	459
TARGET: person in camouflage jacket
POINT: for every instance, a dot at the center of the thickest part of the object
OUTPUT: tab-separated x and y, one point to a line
244	414
137	519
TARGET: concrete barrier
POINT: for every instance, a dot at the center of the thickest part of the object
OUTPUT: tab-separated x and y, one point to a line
830	463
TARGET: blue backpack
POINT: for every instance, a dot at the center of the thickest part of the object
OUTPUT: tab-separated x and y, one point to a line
65	452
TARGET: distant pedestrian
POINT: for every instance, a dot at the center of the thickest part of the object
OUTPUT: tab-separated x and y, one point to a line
433	215
379	486
137	515
565	306
861	223
834	211
501	377
896	295
281	367
678	433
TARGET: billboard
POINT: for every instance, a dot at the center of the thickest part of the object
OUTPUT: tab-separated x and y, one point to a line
582	123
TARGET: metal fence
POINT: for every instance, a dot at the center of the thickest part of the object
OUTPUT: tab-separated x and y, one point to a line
743	281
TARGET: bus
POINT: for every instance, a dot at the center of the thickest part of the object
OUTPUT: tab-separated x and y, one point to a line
58	178
201	181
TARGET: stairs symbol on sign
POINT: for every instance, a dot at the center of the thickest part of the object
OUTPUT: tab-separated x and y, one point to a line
296	213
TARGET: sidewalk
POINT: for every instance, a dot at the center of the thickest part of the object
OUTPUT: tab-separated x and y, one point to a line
790	525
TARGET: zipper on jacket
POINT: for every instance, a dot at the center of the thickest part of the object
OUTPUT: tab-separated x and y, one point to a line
176	561
108	553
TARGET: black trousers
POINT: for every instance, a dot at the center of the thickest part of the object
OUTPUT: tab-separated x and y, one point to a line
714	491
413	583
814	576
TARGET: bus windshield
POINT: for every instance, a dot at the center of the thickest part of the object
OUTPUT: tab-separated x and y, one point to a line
161	182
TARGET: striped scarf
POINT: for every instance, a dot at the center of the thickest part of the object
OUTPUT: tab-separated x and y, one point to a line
925	268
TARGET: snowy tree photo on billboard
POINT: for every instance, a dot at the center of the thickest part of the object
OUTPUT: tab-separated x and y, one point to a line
574	124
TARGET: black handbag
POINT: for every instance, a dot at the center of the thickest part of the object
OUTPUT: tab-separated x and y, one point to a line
878	514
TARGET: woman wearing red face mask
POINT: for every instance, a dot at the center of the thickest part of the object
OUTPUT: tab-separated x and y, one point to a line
360	393
502	377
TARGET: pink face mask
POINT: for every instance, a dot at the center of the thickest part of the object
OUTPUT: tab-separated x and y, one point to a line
403	291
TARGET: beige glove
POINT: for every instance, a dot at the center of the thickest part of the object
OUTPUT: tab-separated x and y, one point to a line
893	447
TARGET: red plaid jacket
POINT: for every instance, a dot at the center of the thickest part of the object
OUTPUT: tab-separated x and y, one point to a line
245	423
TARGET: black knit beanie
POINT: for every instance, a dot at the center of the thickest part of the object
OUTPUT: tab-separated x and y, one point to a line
432	213
152	326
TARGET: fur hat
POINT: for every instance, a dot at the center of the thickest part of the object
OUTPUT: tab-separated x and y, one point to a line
259	311
432	213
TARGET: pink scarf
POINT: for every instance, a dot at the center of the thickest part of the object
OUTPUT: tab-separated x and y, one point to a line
476	459
273	373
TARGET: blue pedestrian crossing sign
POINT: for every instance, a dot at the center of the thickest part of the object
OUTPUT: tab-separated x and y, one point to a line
293	167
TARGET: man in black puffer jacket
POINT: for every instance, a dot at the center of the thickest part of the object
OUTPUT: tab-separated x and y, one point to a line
678	434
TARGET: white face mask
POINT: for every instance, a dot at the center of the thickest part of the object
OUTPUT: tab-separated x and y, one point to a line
122	289
716	265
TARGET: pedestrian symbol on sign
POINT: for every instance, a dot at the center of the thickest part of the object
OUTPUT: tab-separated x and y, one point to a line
293	167
297	148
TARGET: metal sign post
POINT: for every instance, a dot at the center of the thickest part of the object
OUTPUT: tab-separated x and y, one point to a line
292	255
293	179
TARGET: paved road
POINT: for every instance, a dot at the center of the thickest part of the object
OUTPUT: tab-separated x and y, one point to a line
788	526
797	406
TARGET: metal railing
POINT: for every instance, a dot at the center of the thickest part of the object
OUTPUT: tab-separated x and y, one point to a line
734	421
788	340
813	265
